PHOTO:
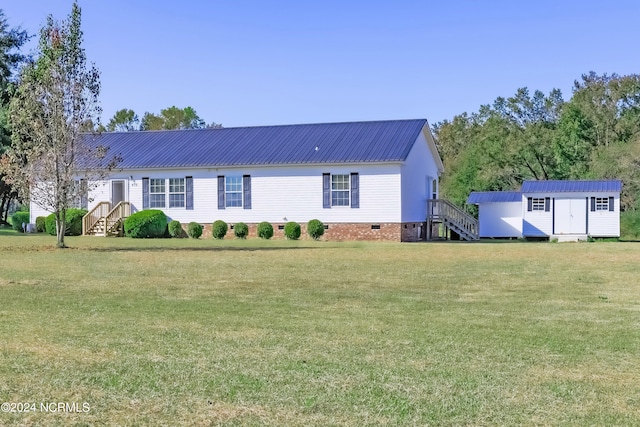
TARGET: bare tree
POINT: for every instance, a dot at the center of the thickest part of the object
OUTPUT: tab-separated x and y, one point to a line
57	95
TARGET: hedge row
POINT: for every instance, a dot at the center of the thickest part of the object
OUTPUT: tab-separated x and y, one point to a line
152	223
47	224
219	229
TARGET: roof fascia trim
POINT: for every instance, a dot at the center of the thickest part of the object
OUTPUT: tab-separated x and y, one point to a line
431	143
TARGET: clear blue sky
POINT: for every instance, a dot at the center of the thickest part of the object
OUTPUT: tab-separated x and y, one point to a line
245	63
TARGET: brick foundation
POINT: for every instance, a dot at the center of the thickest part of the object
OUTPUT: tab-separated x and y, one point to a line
405	232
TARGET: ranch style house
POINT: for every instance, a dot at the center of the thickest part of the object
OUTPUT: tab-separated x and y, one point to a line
363	180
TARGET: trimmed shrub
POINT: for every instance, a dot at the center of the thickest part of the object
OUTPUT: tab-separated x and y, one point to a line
175	229
151	223
74	221
40	224
219	229
315	228
265	230
241	230
194	230
50	224
292	230
18	218
73	218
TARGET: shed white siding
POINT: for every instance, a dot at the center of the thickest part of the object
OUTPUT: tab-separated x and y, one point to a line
536	223
500	219
570	213
606	223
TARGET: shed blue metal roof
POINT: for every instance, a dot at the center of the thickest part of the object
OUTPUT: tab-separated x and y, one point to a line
477	197
601	186
355	142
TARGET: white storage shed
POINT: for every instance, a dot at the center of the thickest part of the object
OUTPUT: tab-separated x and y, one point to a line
568	210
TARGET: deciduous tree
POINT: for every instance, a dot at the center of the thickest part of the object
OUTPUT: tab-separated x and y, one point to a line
57	96
172	118
123	121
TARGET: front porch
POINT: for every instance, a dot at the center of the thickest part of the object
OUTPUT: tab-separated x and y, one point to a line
105	220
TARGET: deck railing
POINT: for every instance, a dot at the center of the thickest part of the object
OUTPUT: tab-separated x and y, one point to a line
94	216
112	220
444	211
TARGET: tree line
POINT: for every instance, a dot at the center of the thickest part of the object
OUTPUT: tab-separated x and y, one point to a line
594	135
126	120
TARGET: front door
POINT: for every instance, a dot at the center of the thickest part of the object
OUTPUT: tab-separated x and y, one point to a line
117	192
570	216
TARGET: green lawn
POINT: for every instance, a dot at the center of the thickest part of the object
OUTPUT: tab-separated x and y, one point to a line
183	332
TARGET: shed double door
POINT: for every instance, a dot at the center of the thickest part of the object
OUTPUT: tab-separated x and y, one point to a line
570	216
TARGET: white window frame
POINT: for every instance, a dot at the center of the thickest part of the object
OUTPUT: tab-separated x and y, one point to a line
338	190
233	191
81	189
156	184
537	204
602	204
177	193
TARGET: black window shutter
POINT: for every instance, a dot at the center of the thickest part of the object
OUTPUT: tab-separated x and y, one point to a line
593	204
189	190
547	204
529	204
145	193
326	190
610	204
246	191
221	192
355	190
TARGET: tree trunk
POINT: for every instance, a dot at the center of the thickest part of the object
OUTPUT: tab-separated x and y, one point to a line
61	228
3	215
6	210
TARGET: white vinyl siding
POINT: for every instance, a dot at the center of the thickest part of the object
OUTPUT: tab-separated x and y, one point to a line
538	223
605	223
598	223
502	219
379	191
419	176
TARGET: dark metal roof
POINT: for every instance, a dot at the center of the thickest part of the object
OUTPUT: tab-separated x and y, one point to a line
477	197
603	186
356	142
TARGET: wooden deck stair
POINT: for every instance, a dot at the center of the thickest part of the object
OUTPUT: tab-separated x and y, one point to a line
102	220
447	221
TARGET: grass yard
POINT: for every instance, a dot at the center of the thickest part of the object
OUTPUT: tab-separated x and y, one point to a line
183	332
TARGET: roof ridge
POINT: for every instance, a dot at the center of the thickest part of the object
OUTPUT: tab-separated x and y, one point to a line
359	122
